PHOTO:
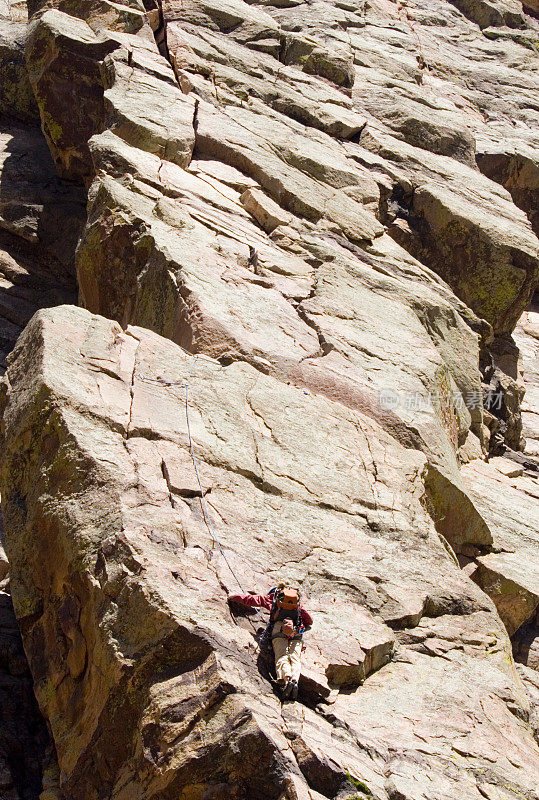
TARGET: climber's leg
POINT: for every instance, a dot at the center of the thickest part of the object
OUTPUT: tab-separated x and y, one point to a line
294	658
283	668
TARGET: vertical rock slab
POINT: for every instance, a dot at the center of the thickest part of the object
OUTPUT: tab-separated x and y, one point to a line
150	687
63	57
510	574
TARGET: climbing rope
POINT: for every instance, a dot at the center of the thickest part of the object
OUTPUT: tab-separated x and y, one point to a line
205	513
203	503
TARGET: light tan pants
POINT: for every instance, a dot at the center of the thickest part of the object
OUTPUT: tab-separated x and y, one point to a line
287	658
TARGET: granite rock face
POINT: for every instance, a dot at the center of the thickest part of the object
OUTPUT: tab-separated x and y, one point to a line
322	218
121	592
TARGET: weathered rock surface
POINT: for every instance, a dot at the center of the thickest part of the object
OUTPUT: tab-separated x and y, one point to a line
527	338
334	204
510	574
189	261
481	243
121	592
16	95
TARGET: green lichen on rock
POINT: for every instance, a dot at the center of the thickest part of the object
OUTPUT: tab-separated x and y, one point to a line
16	95
360	786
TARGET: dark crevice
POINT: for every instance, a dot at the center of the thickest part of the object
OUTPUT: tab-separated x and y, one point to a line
160	32
325	346
26	748
525	642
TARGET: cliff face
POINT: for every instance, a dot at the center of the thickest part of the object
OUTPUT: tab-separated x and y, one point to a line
302	236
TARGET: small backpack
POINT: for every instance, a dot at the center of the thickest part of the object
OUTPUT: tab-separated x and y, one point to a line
285	603
287	599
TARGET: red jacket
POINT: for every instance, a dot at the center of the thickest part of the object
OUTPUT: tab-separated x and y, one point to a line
266	601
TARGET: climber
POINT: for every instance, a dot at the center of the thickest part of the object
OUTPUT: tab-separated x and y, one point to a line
287	623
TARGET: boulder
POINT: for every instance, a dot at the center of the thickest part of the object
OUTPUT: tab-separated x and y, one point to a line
127	16
266	212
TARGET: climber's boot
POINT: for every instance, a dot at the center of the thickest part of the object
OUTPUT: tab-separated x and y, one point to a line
293	690
287	689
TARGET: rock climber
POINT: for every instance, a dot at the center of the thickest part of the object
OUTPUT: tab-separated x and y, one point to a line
287	623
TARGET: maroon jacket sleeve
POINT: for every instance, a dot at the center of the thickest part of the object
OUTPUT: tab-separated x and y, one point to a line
252	600
306	618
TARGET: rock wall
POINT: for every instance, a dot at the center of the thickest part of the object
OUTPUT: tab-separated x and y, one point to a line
319	218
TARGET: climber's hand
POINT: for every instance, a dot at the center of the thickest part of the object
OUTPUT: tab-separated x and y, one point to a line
288	627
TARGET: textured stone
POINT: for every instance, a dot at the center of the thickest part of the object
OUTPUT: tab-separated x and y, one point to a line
492	12
147	233
16	96
277	187
126	16
271	151
150	113
63	56
527	338
526	645
510	574
266	212
531	682
138	605
516	167
472	241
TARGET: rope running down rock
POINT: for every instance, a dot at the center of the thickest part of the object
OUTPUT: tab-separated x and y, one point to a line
205	513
